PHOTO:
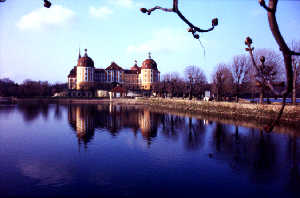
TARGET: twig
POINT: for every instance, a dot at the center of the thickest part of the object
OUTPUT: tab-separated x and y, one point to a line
263	4
193	29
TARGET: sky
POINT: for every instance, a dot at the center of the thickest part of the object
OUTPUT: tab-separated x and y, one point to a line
42	44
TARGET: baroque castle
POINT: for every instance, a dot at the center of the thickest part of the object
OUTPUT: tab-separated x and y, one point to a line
136	78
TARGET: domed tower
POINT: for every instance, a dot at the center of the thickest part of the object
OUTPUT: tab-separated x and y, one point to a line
149	73
84	71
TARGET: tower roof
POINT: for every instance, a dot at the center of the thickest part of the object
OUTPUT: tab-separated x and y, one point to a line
85	61
149	63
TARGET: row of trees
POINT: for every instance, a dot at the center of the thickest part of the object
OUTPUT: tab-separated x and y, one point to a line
235	79
29	88
193	84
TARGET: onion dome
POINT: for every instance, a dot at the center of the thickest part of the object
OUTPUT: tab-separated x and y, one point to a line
149	63
85	61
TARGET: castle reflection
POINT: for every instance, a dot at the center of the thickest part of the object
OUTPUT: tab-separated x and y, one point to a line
85	119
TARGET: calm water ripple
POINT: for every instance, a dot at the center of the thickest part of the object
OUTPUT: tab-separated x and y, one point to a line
50	150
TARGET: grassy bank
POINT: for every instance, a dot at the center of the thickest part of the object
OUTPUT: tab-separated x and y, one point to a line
225	110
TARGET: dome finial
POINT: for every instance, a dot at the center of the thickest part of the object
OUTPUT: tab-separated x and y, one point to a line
85	54
149	55
79	55
135	62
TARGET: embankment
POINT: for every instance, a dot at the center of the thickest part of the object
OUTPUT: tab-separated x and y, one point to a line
220	110
224	110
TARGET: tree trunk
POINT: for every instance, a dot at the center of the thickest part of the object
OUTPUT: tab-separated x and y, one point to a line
190	94
237	94
191	91
261	97
294	85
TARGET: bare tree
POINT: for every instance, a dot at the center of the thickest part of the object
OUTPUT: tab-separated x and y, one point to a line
171	82
269	70
240	72
287	53
196	79
222	81
296	68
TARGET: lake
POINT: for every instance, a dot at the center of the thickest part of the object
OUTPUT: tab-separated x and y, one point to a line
50	150
288	100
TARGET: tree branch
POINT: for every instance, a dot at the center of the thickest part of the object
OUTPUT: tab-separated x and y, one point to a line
295	53
263	4
195	28
149	11
274	91
176	10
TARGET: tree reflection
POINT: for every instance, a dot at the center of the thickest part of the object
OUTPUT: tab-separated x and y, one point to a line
172	125
58	112
253	152
195	135
31	111
6	110
220	138
294	160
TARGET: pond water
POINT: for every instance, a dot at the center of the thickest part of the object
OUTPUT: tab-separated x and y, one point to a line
50	150
288	100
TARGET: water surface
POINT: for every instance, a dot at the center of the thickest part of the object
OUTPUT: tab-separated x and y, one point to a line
50	150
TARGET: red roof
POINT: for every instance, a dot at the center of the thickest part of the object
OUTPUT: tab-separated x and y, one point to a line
85	61
149	64
136	68
114	66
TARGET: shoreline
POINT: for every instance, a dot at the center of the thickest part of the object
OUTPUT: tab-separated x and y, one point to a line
256	113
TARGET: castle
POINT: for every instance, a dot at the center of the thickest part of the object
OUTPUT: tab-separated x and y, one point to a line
136	78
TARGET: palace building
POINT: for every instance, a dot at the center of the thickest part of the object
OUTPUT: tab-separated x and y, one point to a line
135	78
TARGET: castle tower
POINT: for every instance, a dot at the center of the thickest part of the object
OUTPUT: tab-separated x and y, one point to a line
84	70
149	73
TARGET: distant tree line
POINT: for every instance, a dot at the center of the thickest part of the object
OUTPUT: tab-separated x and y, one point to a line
230	81
29	88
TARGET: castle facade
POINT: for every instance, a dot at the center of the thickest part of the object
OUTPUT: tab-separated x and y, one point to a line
136	78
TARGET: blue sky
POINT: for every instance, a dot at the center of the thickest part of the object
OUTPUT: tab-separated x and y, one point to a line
42	44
